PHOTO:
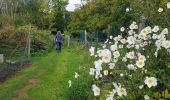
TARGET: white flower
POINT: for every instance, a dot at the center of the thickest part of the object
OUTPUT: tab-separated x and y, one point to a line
154	36
116	54
92	51
113	47
111	65
122	29
164	31
131	40
155	29
120	46
100	53
110	96
96	90
105	72
121	91
141	86
133	26
141	57
140	64
123	41
76	75
121	74
160	10
168	5
156	54
111	37
104	46
128	9
98	65
137	46
69	83
166	44
131	32
150	81
92	70
106	56
131	67
124	59
130	55
146	97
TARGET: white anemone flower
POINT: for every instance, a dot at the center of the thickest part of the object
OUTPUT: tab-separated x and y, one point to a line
131	32
123	41
164	31
128	9
110	96
122	29
69	83
166	44
131	40
141	57
121	74
141	86
92	49
100	53
151	81
146	97
160	10
133	26
106	56
76	75
168	5
92	71
131	67
98	65
140	64
155	29
111	37
111	65
113	47
124	59
130	55
96	90
154	36
116	54
121	91
105	72
120	46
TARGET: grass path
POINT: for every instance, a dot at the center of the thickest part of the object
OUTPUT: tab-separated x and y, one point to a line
45	79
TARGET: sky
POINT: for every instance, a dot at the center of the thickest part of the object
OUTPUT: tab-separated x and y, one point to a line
71	5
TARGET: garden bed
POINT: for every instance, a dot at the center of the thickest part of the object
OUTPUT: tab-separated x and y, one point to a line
7	70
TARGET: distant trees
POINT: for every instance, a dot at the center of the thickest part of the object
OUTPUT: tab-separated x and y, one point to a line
113	14
42	13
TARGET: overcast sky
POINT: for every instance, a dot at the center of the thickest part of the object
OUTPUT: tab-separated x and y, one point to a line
71	5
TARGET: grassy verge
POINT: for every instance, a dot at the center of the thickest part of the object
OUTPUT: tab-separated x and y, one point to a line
46	78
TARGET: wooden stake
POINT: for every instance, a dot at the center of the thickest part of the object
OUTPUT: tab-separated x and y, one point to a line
29	41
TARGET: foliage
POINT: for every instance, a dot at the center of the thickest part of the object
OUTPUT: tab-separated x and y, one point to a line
99	14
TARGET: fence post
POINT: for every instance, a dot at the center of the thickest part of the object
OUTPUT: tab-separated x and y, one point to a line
29	41
68	40
85	37
1	58
141	23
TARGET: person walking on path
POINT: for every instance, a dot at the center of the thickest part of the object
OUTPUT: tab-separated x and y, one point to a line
59	41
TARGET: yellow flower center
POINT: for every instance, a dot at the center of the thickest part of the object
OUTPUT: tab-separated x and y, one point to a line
131	55
140	63
122	90
150	81
97	90
141	58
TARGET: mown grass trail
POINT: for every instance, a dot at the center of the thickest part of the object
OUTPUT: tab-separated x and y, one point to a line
45	79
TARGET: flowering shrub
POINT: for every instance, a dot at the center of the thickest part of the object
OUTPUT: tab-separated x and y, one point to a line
132	67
